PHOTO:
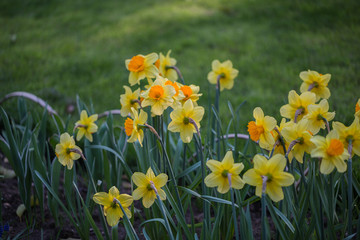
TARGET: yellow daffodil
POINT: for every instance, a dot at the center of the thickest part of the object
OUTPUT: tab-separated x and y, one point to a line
331	151
297	107
349	133
66	151
316	83
270	172
129	100
190	92
224	173
279	148
178	96
163	65
141	66
260	129
86	126
112	210
147	185
357	109
159	96
182	118
224	72
316	115
299	133
133	127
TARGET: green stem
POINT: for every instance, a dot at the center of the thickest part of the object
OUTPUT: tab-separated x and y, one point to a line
350	193
263	217
234	214
127	219
167	225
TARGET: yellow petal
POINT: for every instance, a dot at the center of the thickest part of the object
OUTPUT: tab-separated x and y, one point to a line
237	168
213	180
213	165
126	200
139	179
149	199
223	186
283	179
113	215
237	182
160	180
228	160
162	194
275	192
252	178
340	164
258	113
150	174
102	198
326	166
277	163
139	193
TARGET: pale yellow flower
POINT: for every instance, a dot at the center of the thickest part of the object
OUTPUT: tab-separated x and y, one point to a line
66	151
86	126
164	63
225	72
316	82
112	210
316	113
134	128
297	105
224	171
141	66
159	96
129	100
331	151
260	129
272	171
146	184
299	132
181	120
349	133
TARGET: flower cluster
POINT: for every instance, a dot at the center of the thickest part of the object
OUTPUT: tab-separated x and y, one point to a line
161	92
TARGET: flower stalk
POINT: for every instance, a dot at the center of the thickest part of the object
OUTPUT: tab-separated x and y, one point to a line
350	193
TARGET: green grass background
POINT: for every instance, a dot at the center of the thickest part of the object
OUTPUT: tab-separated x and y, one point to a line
57	49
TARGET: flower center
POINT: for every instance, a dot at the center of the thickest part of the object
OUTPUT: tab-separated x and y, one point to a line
225	173
156	92
186	120
149	187
136	64
129	126
335	148
300	140
255	130
157	64
349	138
269	177
187	92
175	86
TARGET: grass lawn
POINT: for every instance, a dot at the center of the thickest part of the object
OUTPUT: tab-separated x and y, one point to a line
57	49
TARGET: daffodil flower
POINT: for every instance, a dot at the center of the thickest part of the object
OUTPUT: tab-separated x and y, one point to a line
148	186
129	100
178	96
349	134
66	151
260	129
269	175
319	116
134	127
86	126
186	120
298	135
298	105
316	83
112	210
280	142
164	66
190	92
224	173
159	96
224	73
331	151
141	66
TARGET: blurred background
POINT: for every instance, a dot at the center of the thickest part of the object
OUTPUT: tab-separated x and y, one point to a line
58	49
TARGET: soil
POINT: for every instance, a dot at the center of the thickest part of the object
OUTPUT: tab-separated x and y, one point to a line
10	200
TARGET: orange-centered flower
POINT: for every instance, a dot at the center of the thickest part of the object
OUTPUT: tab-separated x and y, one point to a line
129	126
260	129
332	152
175	85
156	92
187	92
136	64
335	147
